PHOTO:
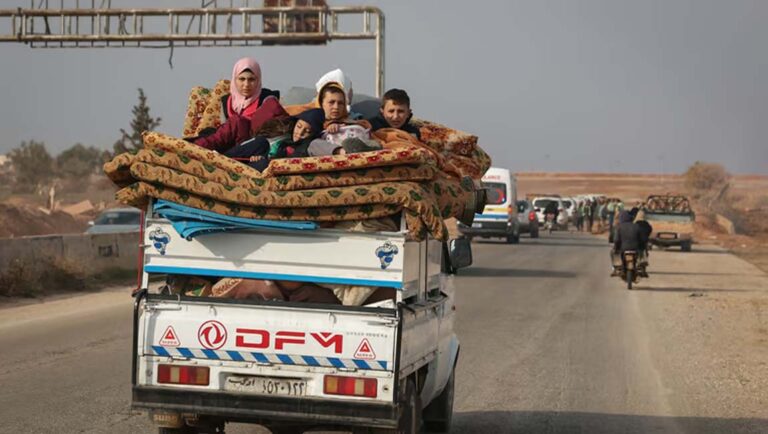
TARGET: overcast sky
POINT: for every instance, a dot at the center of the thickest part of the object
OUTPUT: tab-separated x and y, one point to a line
566	85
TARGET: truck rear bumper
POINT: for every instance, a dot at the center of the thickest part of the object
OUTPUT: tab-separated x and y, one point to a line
669	240
488	229
260	409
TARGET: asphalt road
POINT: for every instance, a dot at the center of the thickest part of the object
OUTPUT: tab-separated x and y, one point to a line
550	344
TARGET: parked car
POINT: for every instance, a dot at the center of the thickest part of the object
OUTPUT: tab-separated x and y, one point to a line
526	217
540	204
570	208
116	220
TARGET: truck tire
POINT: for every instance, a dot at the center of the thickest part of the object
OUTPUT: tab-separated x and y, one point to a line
439	413
183	430
686	246
513	239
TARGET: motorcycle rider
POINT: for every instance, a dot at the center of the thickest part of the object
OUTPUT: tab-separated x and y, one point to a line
645	235
628	237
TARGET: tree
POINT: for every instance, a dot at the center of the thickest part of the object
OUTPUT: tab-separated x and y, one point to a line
703	177
79	161
141	122
32	164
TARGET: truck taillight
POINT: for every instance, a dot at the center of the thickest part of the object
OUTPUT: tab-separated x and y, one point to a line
179	374
351	386
531	216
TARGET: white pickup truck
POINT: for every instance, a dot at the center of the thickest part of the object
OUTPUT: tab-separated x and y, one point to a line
200	362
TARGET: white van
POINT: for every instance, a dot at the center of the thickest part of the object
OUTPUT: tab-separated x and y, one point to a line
499	217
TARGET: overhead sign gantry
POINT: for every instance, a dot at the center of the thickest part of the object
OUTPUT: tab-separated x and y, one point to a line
67	24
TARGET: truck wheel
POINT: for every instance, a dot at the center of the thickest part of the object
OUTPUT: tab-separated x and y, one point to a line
513	239
439	413
686	246
410	418
183	430
287	430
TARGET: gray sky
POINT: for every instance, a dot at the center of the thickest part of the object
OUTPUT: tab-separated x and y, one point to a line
560	85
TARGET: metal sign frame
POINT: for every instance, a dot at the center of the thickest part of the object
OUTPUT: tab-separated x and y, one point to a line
107	27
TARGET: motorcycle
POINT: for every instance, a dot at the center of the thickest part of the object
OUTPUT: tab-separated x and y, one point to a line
630	267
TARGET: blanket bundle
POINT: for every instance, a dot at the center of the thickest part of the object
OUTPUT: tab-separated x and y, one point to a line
370	185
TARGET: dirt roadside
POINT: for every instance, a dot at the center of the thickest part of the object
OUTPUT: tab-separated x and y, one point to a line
710	309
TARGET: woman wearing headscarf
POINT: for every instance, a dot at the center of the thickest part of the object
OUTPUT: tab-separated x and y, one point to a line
306	126
246	108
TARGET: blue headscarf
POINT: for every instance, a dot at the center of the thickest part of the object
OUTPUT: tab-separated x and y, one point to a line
625	217
315	118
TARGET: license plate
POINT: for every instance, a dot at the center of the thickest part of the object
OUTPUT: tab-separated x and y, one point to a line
477	225
266	385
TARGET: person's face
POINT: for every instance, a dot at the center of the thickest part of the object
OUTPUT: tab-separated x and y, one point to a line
334	105
395	114
246	83
302	130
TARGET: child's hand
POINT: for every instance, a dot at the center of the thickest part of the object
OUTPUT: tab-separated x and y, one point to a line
333	128
256	158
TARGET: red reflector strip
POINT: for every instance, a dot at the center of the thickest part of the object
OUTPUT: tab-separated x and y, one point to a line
351	386
179	374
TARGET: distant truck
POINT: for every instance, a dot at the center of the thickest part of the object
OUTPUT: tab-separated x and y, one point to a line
672	219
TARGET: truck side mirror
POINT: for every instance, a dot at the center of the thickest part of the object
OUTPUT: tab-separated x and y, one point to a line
460	253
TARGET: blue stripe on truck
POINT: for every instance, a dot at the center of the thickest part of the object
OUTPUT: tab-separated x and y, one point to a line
491	216
162	269
160	351
244	356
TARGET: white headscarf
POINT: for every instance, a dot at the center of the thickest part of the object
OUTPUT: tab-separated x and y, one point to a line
336	76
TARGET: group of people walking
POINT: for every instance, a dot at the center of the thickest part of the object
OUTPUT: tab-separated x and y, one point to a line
597	214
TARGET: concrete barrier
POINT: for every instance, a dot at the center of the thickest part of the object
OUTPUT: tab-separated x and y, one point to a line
95	253
726	224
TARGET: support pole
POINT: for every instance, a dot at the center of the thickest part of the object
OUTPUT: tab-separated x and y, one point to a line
380	55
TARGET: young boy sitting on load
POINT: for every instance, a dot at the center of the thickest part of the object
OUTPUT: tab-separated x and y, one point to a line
341	135
395	112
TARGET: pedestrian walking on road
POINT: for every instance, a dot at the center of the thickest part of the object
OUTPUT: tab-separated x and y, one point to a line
610	211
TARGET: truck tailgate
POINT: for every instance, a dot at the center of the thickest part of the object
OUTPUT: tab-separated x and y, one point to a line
270	334
281	357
